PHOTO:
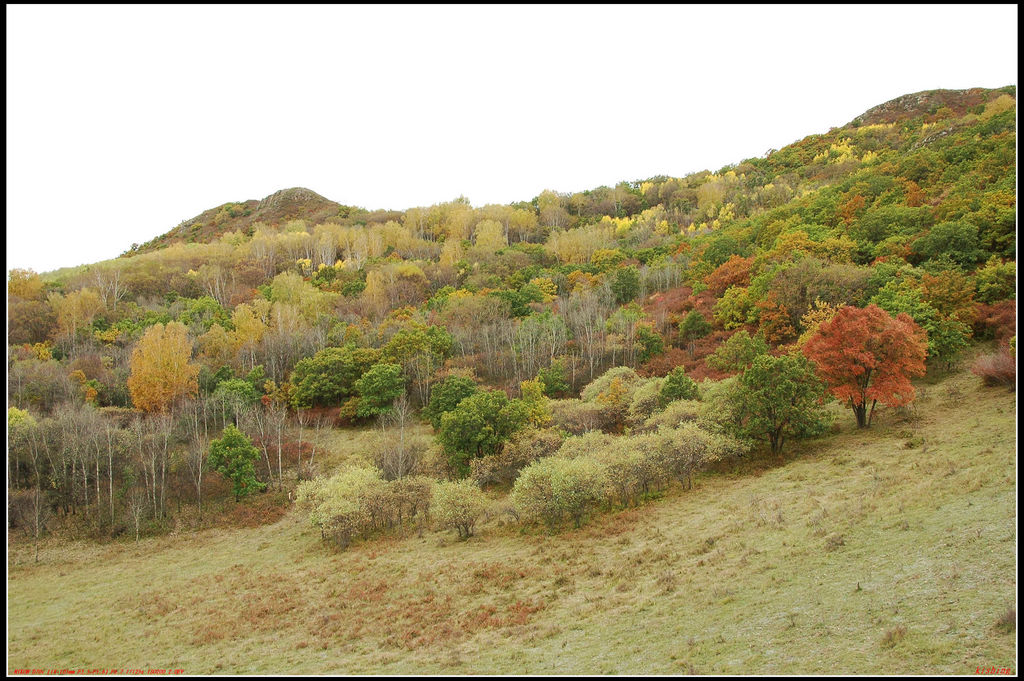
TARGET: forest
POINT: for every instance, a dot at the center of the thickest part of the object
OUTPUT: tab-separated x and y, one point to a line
543	361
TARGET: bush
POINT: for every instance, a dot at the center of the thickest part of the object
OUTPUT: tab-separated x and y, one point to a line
685	451
577	417
628	379
674	415
458	506
520	451
678	386
358	501
645	401
998	368
555	489
632	468
583	445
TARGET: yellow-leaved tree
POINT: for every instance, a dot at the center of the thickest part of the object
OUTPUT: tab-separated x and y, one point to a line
161	371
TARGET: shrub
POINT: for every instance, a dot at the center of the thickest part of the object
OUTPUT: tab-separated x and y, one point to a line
685	451
520	451
334	503
674	415
583	445
999	368
645	401
458	505
627	378
894	636
1007	622
577	417
555	489
357	501
632	468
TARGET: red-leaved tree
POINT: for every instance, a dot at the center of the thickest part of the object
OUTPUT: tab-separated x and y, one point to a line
866	355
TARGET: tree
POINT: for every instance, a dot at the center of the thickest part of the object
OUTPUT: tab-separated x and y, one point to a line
779	397
378	388
625	285
445	396
478	427
538	411
234	457
233	396
867	355
553	379
957	241
328	378
677	386
737	353
693	327
161	373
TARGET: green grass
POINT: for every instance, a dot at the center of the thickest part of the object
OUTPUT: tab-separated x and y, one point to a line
887	551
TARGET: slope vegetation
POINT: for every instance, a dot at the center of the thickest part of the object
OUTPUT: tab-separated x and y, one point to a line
881	551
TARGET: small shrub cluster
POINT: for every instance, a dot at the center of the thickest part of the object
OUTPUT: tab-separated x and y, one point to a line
620	398
520	451
597	469
554	489
458	505
358	501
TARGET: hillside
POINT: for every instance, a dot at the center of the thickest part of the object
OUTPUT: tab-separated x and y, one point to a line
267	426
910	527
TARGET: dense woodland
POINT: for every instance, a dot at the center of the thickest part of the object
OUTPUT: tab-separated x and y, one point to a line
580	350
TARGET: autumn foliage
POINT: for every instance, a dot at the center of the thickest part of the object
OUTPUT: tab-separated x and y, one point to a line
864	354
161	371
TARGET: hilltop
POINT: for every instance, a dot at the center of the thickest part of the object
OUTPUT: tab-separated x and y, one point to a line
297	203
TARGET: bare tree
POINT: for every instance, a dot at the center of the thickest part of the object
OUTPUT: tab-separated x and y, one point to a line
196	415
397	456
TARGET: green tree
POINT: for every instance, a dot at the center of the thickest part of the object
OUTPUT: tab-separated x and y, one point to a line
692	328
780	398
677	386
957	241
478	426
378	388
234	395
625	284
650	341
996	280
554	379
445	396
234	457
737	353
328	378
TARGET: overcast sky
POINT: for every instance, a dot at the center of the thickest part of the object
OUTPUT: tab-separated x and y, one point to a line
124	121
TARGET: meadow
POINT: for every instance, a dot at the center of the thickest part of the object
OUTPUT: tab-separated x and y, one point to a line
890	550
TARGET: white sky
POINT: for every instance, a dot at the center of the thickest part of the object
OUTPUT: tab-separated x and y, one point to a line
124	121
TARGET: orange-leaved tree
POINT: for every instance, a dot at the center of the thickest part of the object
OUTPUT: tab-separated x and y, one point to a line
161	372
866	355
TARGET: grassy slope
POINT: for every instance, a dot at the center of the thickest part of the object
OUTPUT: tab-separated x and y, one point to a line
745	574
